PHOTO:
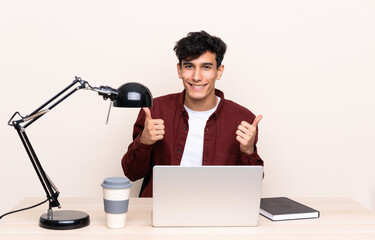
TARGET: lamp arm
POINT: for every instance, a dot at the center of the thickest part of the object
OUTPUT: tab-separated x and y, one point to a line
20	126
39	112
51	191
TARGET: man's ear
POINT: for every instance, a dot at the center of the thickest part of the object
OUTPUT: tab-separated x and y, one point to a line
220	72
179	71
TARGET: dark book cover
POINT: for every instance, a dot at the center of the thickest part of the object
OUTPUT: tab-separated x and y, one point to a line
283	208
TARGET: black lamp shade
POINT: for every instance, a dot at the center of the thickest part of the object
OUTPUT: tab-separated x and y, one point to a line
133	95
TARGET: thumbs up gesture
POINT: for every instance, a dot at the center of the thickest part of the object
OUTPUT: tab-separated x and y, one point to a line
246	135
153	129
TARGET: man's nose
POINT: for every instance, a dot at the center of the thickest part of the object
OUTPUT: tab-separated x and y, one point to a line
197	75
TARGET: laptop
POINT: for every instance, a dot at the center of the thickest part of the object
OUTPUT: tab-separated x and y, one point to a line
206	196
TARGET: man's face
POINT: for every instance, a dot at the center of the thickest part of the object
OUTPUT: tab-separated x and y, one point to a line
199	77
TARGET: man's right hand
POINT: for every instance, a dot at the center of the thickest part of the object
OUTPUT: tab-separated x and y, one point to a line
153	130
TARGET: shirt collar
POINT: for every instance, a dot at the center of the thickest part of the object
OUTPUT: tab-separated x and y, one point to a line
182	111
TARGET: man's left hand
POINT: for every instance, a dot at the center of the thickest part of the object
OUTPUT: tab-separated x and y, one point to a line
246	133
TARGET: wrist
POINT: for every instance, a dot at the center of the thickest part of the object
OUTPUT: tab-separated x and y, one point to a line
250	150
143	140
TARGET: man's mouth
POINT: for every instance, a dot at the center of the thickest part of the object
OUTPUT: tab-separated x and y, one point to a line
197	87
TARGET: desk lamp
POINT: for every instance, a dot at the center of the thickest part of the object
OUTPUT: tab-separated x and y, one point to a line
127	95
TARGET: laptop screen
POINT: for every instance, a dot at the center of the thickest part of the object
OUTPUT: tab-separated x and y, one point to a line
206	195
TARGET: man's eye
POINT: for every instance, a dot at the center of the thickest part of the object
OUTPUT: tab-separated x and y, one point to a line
188	66
207	67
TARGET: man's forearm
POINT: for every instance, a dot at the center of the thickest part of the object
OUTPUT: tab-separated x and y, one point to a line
136	162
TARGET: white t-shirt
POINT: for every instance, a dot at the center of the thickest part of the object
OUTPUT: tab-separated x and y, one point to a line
193	151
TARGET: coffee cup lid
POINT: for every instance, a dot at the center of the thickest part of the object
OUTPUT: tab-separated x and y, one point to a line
116	183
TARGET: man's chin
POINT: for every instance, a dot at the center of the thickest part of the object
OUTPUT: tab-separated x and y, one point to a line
196	96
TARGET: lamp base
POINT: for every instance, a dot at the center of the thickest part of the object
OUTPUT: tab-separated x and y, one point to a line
64	220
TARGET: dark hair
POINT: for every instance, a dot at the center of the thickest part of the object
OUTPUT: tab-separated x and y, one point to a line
197	43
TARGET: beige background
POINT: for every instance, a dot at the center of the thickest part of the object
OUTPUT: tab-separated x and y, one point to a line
307	66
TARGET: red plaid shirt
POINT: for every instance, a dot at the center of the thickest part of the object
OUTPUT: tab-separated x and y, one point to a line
220	146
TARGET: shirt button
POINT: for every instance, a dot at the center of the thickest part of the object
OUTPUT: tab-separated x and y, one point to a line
179	151
185	127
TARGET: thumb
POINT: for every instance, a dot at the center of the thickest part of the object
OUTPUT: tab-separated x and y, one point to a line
147	112
257	120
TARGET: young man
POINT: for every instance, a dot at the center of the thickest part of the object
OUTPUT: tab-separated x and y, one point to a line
196	127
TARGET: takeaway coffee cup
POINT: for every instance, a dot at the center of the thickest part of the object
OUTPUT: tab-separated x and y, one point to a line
116	200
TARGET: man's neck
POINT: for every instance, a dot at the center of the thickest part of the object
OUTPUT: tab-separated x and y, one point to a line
200	104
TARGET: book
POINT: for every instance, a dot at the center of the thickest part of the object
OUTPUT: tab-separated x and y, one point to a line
283	208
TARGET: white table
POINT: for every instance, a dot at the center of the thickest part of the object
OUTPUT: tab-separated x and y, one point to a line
340	218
